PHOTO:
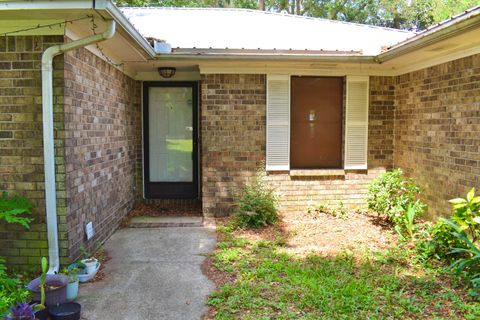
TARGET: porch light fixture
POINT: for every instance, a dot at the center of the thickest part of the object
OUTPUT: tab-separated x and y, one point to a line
166	72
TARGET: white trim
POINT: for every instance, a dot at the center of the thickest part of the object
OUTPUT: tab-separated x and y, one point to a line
431	62
311	69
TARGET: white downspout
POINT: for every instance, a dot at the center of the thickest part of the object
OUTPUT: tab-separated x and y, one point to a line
48	140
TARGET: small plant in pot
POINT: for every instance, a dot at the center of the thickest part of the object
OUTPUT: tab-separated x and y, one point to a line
72	285
49	289
89	262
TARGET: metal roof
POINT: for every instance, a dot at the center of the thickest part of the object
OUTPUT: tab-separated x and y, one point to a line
465	15
215	30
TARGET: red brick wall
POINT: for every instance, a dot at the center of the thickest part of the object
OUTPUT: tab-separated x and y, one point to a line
102	121
233	146
437	130
21	153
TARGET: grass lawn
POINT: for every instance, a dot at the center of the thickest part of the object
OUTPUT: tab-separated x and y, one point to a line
259	276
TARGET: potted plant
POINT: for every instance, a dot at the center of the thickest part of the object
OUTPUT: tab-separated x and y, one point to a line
22	311
49	289
90	264
72	285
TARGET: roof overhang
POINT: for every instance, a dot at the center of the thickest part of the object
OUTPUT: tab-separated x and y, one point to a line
449	40
69	9
455	26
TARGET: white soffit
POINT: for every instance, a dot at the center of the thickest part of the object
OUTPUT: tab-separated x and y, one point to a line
242	29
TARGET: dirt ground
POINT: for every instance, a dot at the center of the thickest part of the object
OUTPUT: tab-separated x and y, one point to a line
323	234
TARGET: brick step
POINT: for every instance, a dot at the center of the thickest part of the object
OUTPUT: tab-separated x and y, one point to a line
165	222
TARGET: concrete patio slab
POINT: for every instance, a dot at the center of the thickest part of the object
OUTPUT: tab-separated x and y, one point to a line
154	273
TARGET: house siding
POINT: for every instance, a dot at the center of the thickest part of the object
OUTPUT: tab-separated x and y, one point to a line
102	147
437	130
21	153
233	113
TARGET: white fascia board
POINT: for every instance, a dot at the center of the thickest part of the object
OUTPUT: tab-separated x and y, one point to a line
122	20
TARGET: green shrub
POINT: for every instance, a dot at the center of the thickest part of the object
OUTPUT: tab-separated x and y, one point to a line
13	209
11	289
466	215
257	205
391	195
468	260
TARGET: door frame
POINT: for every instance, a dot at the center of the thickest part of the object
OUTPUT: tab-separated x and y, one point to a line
170	190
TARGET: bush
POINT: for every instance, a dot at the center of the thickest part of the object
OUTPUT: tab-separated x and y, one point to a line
466	215
11	290
257	205
392	195
12	210
468	260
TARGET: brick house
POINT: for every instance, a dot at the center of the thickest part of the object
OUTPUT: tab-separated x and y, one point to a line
184	105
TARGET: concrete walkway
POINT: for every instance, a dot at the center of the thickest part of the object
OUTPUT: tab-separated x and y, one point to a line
154	273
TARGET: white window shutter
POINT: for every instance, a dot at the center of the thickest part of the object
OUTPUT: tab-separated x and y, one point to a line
356	122
278	123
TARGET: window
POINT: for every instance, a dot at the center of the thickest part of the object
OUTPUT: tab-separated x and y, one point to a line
290	136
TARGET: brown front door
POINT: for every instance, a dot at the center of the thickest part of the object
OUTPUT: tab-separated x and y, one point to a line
316	122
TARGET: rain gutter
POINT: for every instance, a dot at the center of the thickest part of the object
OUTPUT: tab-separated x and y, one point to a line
48	137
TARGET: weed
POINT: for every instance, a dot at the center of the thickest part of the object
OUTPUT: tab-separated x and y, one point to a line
257	205
337	211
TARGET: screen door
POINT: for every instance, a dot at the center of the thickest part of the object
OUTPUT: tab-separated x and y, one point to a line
170	139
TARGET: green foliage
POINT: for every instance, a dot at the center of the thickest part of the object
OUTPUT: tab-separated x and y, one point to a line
337	211
466	215
469	260
272	284
11	289
257	205
393	195
406	225
13	209
247	4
